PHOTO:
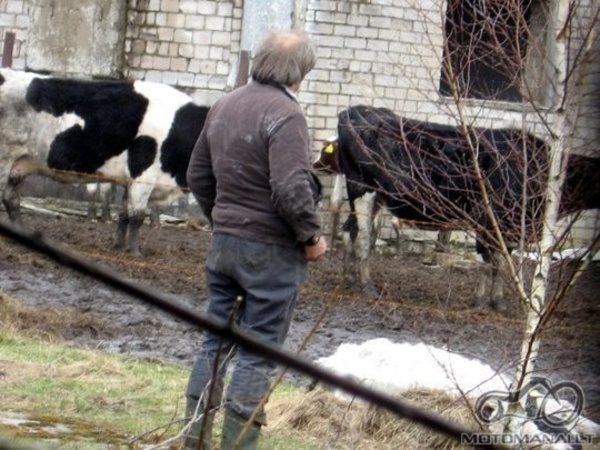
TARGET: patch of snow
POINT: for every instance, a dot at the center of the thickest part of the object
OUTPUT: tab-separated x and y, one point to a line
397	367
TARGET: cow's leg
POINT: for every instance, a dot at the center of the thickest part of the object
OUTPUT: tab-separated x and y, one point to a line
122	223
137	202
20	169
365	208
396	225
376	228
483	285
108	192
100	194
92	210
94	196
335	223
485	274
105	211
12	200
443	241
490	291
135	223
497	300
154	217
349	264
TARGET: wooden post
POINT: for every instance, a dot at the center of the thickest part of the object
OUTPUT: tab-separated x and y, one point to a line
243	69
7	52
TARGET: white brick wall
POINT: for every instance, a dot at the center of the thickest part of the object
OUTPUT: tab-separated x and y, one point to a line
203	49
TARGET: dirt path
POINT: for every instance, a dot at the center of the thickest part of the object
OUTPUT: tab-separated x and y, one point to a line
419	303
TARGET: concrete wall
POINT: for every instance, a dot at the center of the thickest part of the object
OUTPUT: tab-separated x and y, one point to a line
80	37
381	52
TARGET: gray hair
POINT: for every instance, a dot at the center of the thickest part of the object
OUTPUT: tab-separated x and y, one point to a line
284	58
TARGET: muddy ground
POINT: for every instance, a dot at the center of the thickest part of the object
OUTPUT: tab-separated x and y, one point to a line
418	303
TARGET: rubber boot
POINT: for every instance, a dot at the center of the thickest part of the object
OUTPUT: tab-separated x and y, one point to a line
233	424
192	437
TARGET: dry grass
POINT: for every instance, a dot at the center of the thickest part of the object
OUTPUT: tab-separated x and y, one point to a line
333	422
48	324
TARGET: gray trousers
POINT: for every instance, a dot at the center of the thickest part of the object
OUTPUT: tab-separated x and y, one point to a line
268	278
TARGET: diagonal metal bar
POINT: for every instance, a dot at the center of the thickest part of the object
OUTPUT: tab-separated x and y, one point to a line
36	241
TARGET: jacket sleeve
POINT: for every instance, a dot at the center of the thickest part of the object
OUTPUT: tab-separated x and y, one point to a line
296	191
200	176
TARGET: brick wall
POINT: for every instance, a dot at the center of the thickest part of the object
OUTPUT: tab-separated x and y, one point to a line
192	45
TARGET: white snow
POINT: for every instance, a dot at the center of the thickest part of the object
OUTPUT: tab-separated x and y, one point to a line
397	367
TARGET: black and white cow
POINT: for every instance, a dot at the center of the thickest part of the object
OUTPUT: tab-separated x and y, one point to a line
425	173
136	134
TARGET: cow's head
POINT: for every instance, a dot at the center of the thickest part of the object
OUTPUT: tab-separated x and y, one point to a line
327	161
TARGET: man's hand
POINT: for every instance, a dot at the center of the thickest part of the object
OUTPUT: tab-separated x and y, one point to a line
315	251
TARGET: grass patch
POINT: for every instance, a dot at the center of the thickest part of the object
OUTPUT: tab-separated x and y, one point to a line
74	398
96	394
335	422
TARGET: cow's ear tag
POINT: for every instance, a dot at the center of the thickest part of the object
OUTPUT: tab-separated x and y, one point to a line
328	149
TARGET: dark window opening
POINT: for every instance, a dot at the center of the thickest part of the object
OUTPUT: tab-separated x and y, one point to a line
486	48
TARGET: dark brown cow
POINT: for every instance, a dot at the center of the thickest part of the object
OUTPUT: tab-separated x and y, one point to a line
397	163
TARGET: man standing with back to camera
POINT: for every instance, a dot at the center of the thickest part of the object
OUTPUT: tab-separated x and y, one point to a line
251	174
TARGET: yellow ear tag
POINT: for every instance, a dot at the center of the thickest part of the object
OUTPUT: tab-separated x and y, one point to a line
328	149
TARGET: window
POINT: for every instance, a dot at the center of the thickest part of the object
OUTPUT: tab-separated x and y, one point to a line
486	49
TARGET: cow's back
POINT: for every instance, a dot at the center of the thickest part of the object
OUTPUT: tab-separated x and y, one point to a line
110	114
426	171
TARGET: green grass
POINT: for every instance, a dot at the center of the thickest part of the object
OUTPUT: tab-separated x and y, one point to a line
106	400
97	394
